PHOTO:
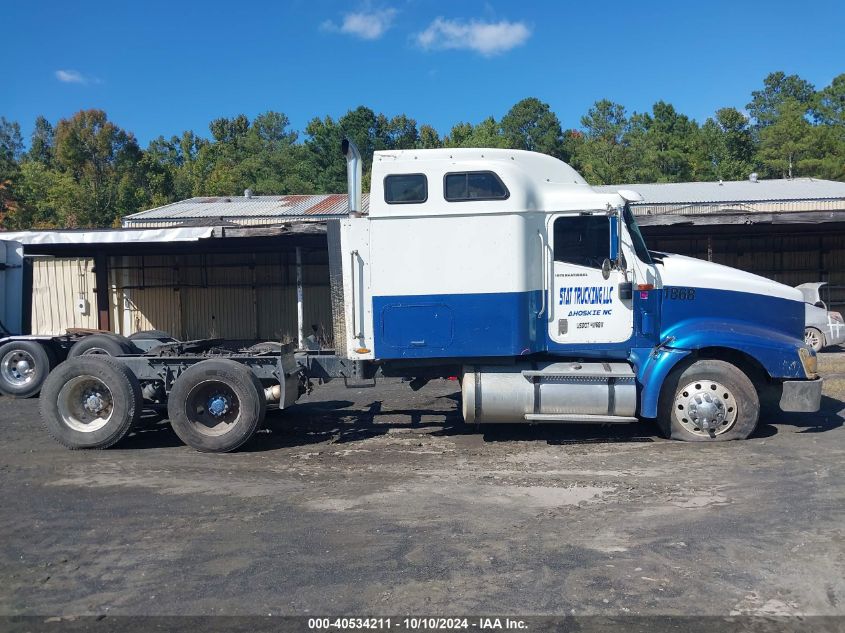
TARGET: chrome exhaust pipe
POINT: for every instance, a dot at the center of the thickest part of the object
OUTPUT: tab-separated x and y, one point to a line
354	169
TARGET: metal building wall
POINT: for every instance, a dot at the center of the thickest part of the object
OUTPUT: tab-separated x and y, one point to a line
57	284
143	296
232	296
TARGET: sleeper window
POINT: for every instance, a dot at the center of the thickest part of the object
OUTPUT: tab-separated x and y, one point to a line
473	185
405	188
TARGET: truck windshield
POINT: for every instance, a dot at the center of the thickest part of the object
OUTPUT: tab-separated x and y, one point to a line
636	236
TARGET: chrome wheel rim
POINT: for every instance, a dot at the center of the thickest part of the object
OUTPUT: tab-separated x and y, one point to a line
705	408
212	408
95	351
811	338
86	404
18	367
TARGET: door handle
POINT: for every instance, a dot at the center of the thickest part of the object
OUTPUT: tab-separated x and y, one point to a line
543	274
353	261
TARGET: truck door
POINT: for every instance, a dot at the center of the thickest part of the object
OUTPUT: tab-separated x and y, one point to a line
585	307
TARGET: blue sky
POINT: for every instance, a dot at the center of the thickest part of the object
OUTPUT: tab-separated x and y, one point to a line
162	67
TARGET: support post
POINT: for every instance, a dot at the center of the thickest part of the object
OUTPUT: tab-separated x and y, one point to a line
101	278
300	316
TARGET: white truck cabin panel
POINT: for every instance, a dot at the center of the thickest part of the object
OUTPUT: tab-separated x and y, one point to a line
457	258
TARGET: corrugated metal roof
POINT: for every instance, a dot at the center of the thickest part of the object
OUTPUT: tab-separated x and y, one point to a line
734	191
684	198
240	208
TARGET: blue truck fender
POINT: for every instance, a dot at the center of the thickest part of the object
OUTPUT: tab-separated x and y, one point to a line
653	365
776	352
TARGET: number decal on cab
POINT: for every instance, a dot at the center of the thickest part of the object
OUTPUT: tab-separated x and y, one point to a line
681	294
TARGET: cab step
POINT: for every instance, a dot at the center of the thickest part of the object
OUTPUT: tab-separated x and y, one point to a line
580	418
601	371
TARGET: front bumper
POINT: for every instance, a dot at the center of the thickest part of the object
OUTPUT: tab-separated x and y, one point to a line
801	396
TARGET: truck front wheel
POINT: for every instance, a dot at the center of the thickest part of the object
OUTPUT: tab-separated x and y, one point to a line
90	402
24	366
216	405
708	401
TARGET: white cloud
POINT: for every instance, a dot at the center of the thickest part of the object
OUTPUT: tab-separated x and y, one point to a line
75	77
367	25
485	38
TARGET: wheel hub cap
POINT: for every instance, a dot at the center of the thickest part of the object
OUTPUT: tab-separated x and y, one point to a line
218	405
94	402
706	408
85	403
18	367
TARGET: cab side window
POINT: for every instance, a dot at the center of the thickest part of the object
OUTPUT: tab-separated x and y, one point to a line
473	185
405	188
582	239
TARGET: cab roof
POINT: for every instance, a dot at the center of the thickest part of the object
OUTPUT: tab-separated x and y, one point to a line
535	182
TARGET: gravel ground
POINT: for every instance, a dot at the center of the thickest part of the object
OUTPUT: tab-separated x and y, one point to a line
379	501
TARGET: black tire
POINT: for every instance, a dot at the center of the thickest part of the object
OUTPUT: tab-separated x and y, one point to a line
102	344
233	388
708	401
67	390
814	338
151	334
24	366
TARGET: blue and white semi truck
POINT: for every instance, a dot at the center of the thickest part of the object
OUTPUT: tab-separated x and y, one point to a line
507	269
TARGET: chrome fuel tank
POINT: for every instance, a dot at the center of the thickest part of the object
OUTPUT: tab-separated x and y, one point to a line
551	392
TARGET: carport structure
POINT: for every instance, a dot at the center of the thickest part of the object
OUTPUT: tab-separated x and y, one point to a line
230	282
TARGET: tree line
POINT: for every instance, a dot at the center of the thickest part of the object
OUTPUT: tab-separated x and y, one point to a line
86	171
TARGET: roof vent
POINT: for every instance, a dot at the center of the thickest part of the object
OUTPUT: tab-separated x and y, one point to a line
247	193
753	176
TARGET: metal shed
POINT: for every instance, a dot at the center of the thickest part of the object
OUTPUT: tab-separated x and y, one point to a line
194	282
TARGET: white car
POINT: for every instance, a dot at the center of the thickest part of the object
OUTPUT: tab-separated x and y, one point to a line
822	327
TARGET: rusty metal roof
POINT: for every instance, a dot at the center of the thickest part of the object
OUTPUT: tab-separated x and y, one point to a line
246	210
683	199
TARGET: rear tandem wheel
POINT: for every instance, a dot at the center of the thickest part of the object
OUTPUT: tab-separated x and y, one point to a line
90	401
216	405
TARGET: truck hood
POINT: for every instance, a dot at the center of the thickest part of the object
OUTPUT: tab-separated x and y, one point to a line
679	270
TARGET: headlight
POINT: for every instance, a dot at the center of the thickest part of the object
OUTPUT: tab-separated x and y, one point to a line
809	361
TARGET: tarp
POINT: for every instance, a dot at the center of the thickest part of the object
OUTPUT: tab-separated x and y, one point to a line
110	236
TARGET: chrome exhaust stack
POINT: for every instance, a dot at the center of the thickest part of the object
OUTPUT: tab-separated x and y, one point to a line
354	176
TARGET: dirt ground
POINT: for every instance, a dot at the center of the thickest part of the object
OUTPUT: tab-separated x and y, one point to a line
379	501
